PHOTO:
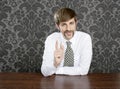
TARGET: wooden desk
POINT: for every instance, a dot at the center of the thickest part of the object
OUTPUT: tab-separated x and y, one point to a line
37	81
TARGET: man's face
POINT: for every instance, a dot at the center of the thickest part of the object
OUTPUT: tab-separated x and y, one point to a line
68	28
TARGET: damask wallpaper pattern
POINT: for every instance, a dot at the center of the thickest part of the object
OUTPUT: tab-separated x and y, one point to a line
25	24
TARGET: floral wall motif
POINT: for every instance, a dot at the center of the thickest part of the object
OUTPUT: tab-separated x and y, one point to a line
25	24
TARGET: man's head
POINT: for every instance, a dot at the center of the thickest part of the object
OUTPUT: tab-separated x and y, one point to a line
63	15
66	22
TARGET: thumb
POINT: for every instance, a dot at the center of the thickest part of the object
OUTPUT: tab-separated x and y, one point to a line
61	46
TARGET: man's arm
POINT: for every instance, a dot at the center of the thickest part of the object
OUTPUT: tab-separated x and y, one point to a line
47	67
53	55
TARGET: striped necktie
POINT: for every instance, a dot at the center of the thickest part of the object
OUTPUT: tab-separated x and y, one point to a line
69	55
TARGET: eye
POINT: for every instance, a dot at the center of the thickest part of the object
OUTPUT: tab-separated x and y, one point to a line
71	23
63	24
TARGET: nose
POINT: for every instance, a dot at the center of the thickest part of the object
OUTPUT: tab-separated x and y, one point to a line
68	28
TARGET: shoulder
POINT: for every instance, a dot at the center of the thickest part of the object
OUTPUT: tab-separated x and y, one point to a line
82	34
83	38
53	36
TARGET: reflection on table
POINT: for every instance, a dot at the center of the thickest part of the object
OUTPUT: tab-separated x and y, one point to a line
71	82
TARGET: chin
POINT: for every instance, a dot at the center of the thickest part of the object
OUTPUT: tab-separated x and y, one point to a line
68	38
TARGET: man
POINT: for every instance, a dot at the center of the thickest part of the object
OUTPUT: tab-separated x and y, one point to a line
68	52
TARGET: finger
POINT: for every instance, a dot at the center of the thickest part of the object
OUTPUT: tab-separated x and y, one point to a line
61	46
56	45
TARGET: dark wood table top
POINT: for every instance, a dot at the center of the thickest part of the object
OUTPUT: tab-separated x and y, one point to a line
37	81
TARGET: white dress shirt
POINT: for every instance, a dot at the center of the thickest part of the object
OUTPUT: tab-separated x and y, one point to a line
82	48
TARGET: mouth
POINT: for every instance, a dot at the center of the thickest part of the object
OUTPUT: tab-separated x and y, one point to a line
68	33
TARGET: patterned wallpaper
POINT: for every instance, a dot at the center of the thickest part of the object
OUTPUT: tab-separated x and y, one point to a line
25	24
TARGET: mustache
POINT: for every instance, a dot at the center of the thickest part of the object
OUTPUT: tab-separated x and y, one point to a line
68	31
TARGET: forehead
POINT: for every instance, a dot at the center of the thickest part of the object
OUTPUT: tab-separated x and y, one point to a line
71	20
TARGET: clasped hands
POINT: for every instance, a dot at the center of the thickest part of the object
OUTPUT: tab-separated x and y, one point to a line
58	54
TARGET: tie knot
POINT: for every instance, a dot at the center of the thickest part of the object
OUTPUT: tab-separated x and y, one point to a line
68	43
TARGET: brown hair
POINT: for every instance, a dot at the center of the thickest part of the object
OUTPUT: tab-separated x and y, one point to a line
64	14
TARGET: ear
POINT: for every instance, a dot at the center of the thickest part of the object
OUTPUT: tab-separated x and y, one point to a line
76	22
57	26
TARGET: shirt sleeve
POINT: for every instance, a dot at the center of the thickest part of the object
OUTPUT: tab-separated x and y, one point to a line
85	60
47	67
